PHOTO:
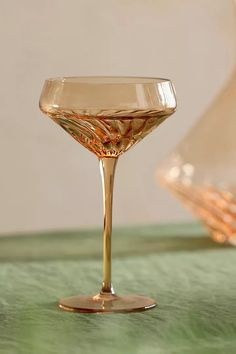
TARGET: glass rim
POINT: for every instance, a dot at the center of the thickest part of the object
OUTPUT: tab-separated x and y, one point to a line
109	80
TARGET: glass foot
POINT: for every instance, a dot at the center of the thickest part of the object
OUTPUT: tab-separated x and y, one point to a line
106	303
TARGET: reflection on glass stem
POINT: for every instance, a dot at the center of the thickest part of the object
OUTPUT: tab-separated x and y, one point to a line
107	169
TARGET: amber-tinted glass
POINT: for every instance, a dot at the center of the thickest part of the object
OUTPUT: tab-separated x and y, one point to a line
107	115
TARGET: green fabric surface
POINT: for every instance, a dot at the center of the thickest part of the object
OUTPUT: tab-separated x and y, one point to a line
191	277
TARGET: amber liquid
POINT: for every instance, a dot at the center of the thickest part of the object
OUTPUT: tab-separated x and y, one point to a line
216	207
109	134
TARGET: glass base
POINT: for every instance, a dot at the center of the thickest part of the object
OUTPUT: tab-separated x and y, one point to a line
106	303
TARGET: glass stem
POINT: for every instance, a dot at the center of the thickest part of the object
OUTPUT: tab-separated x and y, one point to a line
107	170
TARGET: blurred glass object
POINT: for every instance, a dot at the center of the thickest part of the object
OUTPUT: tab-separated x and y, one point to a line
201	171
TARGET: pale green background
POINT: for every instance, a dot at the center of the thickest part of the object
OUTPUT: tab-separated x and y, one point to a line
191	277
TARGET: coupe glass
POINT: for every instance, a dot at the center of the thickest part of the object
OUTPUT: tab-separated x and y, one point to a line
107	115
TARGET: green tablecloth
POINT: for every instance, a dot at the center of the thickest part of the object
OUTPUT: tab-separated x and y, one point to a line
192	278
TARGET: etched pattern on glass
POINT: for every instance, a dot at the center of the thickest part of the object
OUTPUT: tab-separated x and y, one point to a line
109	133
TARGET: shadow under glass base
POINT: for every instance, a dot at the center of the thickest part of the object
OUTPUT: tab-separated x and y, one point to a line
106	303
